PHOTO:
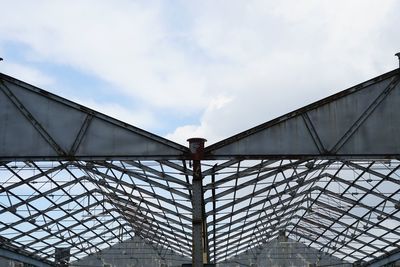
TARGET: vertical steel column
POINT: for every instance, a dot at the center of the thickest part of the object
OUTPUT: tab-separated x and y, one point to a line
214	215
199	251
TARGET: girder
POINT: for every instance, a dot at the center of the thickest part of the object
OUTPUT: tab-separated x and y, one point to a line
350	124
37	125
327	175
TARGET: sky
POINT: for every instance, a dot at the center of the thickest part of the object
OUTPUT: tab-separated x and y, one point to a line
209	69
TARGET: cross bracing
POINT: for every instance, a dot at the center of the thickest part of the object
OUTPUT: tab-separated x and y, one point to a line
92	205
327	175
345	208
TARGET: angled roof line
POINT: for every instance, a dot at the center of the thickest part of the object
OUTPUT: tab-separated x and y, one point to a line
174	149
212	151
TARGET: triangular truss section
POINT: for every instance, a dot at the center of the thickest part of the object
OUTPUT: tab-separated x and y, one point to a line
35	124
360	122
326	176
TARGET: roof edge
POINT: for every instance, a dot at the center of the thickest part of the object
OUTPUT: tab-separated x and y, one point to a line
95	113
209	149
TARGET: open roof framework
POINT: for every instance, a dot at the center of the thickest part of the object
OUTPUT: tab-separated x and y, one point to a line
326	174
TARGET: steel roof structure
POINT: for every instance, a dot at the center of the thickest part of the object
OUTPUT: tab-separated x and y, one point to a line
326	174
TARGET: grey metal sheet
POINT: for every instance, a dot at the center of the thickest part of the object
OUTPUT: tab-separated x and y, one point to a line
379	134
288	138
36	124
105	139
18	138
60	121
332	120
347	208
360	122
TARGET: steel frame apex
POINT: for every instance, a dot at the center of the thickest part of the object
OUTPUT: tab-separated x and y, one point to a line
326	174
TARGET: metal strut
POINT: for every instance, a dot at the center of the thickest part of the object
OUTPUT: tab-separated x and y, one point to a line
199	237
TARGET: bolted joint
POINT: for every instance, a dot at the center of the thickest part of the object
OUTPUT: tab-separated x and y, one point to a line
196	146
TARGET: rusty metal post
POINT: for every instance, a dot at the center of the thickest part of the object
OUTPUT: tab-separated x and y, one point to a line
199	236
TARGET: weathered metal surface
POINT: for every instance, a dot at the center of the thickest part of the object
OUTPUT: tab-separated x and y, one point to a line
19	257
321	173
360	122
35	124
199	240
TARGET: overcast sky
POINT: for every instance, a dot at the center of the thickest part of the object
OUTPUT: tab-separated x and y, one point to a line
198	68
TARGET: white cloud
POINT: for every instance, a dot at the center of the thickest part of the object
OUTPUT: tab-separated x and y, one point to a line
239	63
27	74
139	118
125	44
283	55
213	130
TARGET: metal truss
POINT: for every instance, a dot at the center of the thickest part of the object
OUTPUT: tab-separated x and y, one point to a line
326	175
91	205
349	209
